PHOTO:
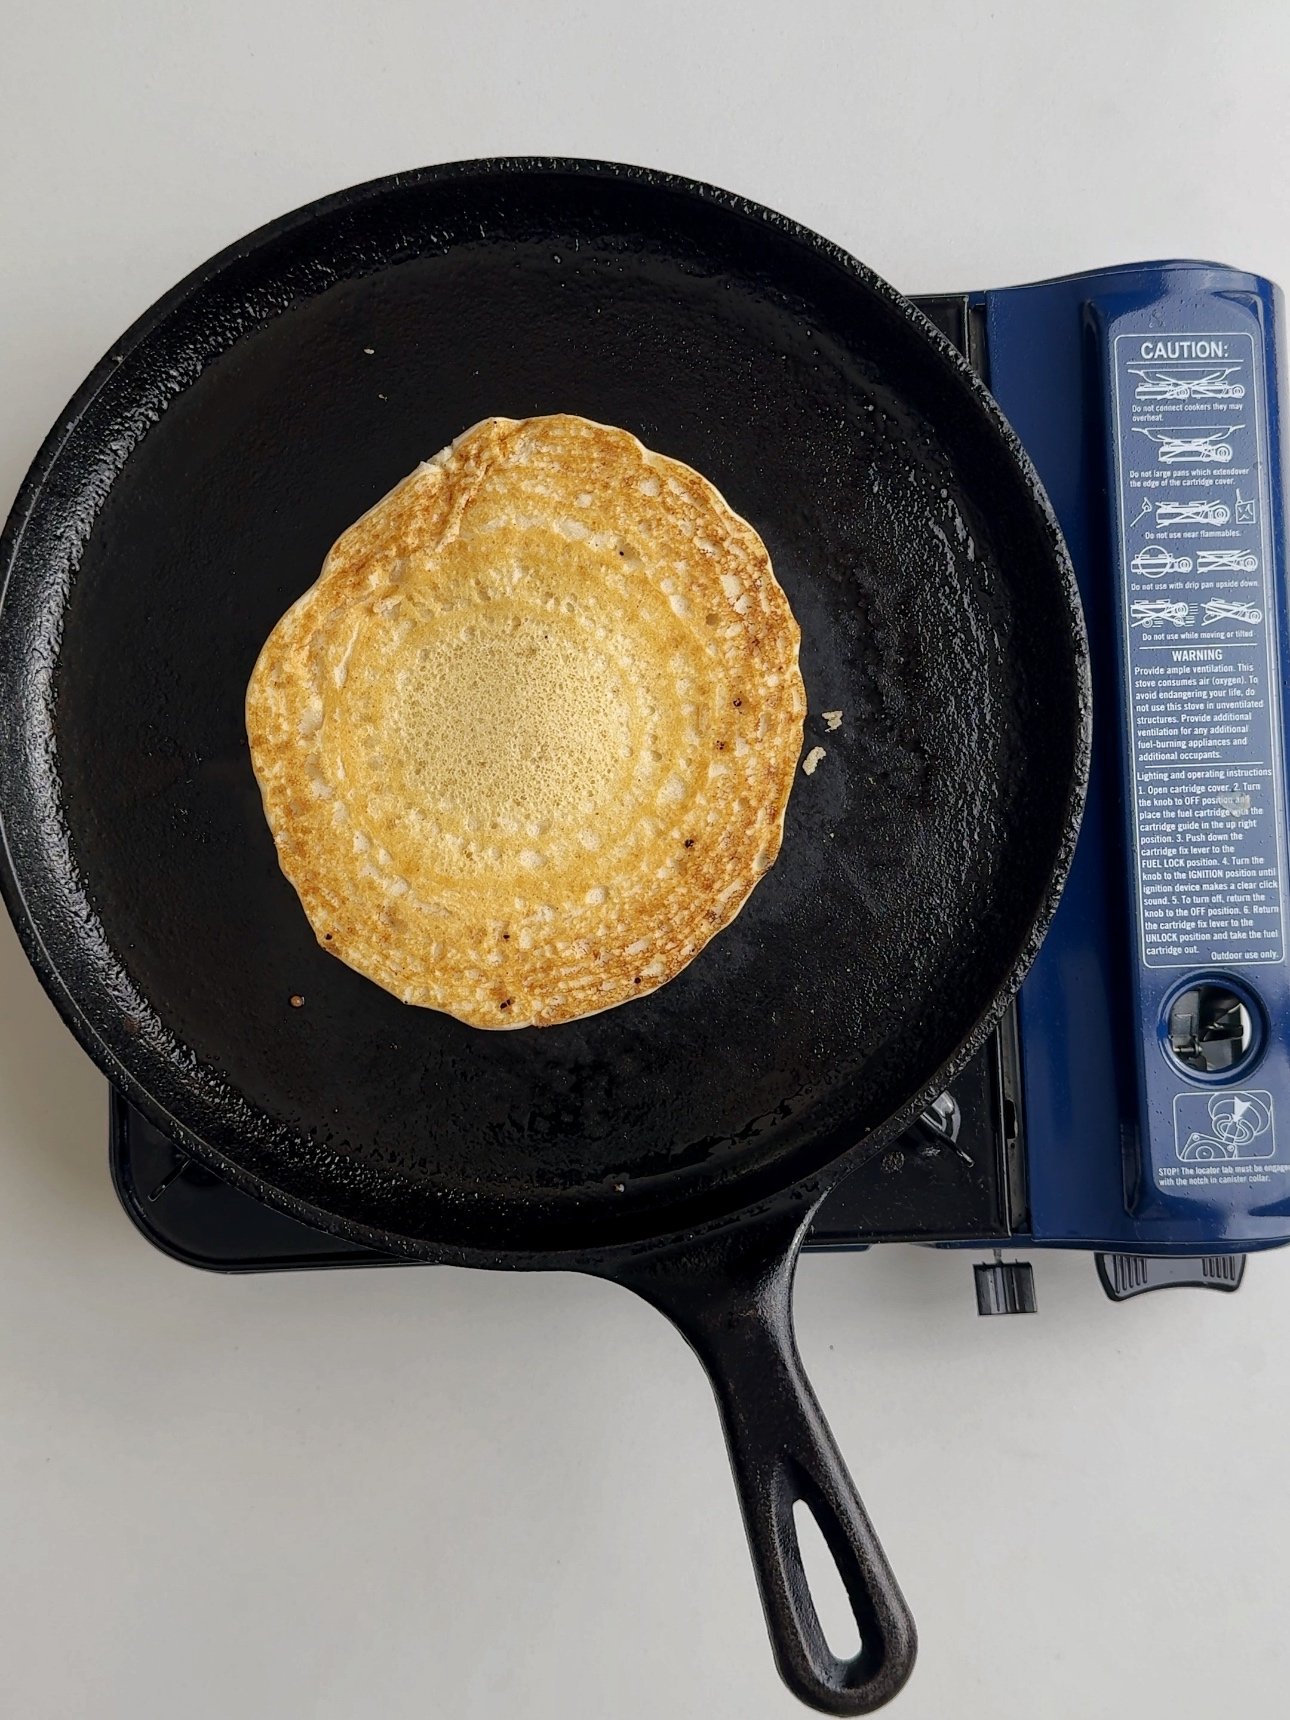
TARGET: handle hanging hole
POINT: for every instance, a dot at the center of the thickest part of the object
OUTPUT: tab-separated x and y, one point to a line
828	1593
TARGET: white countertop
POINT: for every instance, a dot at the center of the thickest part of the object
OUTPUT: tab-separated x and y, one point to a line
433	1493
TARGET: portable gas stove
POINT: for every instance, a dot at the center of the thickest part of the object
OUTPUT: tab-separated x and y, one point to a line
1135	1101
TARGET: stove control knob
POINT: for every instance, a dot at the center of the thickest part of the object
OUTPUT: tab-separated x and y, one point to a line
1005	1287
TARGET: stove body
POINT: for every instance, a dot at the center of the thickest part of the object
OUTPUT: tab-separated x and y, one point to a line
1135	1100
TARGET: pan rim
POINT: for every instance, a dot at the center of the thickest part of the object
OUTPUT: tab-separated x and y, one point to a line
798	1195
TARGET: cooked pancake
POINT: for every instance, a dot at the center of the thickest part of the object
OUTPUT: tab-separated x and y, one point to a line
526	744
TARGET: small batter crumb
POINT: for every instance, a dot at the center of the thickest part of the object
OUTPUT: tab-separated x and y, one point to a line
297	1002
812	759
369	350
832	718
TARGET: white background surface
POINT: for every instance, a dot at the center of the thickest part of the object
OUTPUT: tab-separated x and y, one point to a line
436	1493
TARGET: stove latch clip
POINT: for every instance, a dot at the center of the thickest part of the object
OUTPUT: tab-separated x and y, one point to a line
1125	1275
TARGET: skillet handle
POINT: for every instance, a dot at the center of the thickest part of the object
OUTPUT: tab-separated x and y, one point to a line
731	1297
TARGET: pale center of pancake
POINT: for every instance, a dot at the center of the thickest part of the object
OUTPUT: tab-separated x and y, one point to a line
518	717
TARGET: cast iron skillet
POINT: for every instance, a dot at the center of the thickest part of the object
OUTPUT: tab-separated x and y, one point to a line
680	1144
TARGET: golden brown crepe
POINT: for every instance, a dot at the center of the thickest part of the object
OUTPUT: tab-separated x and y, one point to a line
526	744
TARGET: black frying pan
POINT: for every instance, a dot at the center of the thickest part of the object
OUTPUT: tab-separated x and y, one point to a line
679	1144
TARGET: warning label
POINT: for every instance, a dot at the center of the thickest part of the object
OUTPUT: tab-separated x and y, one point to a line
1225	1137
1204	731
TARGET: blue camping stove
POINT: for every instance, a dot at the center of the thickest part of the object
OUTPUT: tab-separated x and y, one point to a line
1135	1101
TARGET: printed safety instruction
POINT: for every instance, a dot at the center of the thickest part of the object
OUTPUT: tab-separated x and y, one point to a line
1200	626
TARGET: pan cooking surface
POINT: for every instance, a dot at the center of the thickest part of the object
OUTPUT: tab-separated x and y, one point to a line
201	479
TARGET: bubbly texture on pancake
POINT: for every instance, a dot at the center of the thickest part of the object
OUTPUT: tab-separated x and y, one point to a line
526	744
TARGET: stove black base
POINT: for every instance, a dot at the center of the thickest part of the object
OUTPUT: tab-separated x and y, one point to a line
954	1177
